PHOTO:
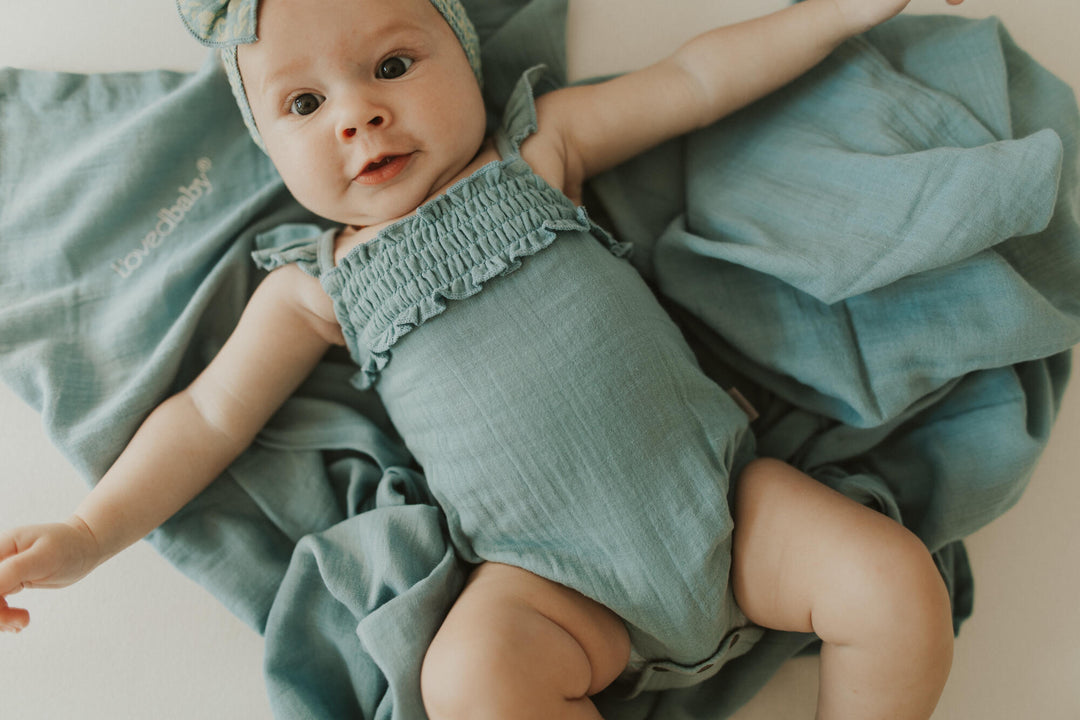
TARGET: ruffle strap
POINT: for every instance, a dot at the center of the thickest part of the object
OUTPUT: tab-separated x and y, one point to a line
309	246
519	116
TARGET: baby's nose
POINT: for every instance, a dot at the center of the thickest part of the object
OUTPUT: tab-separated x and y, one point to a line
350	132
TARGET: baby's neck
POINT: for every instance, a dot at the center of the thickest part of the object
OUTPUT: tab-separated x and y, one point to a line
352	235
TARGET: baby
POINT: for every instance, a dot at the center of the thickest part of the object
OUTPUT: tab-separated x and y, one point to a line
593	495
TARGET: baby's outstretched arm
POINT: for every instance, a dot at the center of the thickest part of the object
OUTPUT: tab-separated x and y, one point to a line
596	127
184	444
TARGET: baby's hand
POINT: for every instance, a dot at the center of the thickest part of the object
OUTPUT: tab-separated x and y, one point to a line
861	15
43	556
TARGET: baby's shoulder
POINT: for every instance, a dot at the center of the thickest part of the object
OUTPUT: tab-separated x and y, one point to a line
545	150
291	290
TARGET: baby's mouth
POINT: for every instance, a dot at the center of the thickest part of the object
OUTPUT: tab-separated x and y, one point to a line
379	163
381	170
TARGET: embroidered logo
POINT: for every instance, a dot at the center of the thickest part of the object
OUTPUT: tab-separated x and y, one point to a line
168	218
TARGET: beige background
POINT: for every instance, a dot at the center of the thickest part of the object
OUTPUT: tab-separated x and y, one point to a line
137	640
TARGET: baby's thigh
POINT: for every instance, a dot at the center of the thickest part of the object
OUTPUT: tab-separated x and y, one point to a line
510	628
806	558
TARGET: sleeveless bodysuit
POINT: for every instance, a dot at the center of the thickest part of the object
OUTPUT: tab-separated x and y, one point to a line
561	420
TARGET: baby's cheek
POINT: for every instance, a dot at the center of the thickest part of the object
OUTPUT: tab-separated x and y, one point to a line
305	179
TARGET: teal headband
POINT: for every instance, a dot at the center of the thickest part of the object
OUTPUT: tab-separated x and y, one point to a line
226	24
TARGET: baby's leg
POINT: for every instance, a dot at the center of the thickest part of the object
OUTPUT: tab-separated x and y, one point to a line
517	646
806	558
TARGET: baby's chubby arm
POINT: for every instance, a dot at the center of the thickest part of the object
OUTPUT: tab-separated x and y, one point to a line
596	127
185	443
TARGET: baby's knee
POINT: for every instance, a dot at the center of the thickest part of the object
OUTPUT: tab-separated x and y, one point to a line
457	678
913	583
514	639
897	597
497	670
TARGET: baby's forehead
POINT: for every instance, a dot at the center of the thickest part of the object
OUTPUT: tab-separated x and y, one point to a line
351	23
353	15
246	70
291	45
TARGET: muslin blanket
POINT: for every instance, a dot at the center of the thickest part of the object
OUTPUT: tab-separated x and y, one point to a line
883	258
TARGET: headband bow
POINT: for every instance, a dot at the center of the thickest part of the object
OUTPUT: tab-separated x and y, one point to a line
225	24
220	23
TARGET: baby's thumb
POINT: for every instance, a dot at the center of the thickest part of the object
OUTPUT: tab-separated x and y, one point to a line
12	619
11	580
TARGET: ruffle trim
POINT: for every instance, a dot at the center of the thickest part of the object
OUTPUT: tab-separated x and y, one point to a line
519	115
435	303
298	243
481	229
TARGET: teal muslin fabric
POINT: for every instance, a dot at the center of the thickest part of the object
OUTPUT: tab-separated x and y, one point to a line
884	258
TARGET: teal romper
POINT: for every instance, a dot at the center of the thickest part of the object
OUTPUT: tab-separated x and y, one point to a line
562	422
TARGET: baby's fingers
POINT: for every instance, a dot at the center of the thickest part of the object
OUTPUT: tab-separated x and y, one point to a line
29	556
11	570
45	556
12	619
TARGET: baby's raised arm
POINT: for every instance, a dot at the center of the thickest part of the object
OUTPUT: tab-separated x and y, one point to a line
185	443
599	126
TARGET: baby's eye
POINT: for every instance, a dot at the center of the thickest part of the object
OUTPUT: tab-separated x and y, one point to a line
305	104
394	67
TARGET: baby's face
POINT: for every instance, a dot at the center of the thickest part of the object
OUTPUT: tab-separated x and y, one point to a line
366	107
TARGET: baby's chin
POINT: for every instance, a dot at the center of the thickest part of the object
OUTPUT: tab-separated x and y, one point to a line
376	216
382	218
378	212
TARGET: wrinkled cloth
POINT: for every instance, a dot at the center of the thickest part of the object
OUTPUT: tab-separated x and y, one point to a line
884	258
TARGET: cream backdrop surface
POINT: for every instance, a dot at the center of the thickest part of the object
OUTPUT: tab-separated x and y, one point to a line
137	640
